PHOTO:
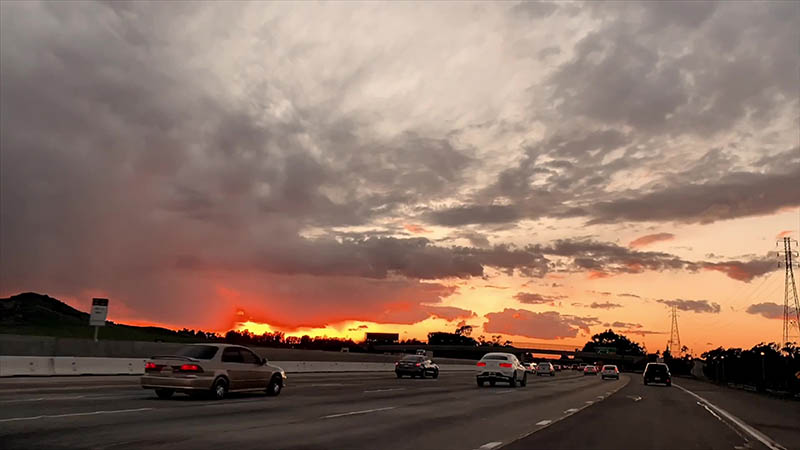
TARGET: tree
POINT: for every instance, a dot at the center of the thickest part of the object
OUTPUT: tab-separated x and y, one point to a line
465	330
621	343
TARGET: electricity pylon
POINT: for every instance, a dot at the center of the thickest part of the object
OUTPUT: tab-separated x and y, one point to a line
674	344
790	299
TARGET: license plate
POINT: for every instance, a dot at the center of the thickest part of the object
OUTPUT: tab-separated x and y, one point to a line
658	378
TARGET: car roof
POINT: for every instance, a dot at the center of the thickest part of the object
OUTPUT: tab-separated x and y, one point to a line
213	344
498	353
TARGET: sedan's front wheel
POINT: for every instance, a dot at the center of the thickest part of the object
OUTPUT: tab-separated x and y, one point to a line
524	381
436	373
274	387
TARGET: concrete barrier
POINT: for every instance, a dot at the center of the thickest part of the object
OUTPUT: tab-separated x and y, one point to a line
59	365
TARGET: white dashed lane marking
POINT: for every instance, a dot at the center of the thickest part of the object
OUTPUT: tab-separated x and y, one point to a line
353	413
544	422
91	413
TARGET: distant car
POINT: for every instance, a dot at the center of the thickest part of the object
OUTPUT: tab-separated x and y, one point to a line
657	373
416	366
503	367
575	367
557	367
216	369
530	368
609	371
590	370
545	368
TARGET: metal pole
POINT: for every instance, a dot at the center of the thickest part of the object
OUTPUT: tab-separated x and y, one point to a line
96	328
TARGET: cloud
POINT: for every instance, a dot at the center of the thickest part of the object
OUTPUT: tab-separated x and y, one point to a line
604	305
416	229
626	325
743	270
532	298
625	294
545	325
360	327
186	186
649	239
697	306
768	309
643	332
449	313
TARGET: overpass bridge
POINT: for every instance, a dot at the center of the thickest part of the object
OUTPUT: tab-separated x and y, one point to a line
476	352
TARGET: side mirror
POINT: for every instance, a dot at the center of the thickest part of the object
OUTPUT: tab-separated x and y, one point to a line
264	361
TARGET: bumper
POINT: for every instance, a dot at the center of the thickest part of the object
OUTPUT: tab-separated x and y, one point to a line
176	383
609	375
494	376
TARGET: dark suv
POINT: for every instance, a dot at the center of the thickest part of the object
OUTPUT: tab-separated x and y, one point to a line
416	366
657	373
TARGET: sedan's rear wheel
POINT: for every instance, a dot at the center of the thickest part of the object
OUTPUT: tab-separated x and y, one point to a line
524	381
220	389
513	382
399	375
164	393
436	374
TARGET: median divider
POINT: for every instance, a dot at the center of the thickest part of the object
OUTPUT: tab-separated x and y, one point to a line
68	365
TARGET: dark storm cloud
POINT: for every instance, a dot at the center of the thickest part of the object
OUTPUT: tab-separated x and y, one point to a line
767	309
469	214
734	195
635	70
697	306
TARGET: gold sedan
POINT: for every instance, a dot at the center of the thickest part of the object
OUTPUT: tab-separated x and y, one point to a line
214	369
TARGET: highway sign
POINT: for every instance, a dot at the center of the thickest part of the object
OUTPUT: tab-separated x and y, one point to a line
99	312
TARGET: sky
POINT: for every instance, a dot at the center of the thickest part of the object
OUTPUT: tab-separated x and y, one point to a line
541	171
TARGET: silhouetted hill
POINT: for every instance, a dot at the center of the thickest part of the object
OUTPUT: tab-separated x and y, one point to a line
30	308
42	315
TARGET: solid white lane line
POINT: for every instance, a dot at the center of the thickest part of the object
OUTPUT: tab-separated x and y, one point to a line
41	399
490	445
71	388
384	390
544	422
353	413
328	384
763	438
91	413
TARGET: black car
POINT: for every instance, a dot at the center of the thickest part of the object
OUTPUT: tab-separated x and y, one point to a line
416	366
657	373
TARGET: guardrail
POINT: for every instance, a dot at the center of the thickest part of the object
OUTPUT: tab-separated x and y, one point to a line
66	365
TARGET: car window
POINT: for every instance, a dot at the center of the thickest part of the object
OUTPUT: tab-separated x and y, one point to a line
197	351
496	357
249	357
231	354
412	358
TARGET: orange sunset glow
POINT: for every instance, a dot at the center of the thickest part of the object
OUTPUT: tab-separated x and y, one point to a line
417	173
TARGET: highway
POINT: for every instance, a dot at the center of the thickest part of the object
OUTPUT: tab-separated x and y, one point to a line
368	411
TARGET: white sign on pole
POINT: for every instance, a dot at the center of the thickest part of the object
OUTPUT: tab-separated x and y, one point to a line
99	312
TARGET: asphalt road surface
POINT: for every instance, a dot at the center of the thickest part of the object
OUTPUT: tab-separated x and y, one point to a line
365	411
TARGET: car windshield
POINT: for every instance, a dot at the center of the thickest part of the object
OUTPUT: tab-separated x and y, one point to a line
197	351
413	358
657	369
544	365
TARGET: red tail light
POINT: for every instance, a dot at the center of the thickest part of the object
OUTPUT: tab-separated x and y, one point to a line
397	363
506	365
417	364
190	368
481	364
150	366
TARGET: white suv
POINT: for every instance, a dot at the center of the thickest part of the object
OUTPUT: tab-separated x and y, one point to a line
503	367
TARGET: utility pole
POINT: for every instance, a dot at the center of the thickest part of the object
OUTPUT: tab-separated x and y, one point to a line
790	299
674	336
